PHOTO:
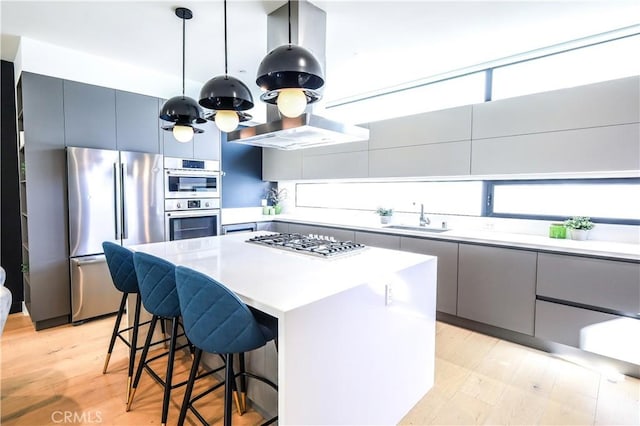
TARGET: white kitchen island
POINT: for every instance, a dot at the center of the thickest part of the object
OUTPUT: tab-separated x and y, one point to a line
356	333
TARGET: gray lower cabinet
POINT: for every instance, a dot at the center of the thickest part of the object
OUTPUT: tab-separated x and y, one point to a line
137	123
337	233
378	240
605	334
89	115
447	254
280	227
601	283
497	286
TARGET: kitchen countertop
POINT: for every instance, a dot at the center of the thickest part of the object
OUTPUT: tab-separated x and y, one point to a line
606	249
295	279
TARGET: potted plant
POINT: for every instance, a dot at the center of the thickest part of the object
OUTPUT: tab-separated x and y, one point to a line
579	227
276	197
385	214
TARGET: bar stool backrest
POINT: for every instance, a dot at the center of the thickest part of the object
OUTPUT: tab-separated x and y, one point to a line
215	319
120	263
157	281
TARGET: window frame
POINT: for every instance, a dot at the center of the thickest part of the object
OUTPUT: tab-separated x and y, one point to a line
490	197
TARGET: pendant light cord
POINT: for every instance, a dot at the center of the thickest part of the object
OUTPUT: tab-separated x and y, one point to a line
183	55
289	22
225	39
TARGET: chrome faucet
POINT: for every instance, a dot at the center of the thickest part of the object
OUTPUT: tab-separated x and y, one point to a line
424	221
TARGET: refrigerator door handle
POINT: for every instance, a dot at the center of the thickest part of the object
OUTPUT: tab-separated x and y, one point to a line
116	200
91	260
123	196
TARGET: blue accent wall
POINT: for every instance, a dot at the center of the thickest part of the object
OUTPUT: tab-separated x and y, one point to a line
242	184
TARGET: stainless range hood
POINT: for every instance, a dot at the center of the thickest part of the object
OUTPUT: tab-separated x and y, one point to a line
308	29
305	131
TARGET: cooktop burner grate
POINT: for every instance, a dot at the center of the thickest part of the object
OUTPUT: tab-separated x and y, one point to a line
317	245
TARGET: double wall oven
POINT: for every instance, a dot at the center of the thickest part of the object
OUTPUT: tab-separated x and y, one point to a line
192	198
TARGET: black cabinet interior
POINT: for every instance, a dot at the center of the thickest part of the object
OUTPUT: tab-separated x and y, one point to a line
10	249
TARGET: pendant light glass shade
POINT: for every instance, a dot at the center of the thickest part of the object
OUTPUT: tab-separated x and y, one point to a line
182	110
226	95
285	69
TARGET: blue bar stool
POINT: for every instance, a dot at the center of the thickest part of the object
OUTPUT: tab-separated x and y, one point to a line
123	275
156	278
217	321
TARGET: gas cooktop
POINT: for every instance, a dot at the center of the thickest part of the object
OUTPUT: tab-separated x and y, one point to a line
317	245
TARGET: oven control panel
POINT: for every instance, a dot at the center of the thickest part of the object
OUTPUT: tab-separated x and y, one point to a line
171	205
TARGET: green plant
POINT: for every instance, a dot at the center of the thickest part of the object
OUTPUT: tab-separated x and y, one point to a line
384	212
579	222
277	196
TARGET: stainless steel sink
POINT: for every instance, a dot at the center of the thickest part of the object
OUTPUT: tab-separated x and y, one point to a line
416	228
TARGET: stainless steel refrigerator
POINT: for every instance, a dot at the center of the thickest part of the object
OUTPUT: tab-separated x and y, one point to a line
114	196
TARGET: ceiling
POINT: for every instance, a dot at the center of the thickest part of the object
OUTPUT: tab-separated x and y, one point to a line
370	44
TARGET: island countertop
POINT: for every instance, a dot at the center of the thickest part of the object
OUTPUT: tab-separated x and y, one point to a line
277	281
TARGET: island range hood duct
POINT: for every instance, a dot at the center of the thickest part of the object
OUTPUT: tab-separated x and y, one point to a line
308	29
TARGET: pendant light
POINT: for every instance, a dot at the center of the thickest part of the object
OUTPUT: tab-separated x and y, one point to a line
227	96
182	110
290	76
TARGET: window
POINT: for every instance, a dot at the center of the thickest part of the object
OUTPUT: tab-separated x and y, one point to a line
444	94
605	200
600	62
454	198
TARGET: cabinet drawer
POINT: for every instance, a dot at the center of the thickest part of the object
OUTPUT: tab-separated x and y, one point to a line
597	332
602	283
338	234
378	240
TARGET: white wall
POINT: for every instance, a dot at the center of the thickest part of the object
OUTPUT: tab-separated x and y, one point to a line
47	59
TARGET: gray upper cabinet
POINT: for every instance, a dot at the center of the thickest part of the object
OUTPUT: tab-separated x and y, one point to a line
497	286
582	150
447	125
206	146
600	283
441	159
447	254
137	126
89	115
341	165
281	165
172	147
430	144
600	104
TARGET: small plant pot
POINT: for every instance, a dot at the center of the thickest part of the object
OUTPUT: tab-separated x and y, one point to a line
579	234
385	219
277	208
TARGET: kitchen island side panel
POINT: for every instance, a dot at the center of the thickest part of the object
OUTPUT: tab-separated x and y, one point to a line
353	359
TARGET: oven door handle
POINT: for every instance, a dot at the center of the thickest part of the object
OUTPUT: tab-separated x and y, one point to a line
193	213
191	173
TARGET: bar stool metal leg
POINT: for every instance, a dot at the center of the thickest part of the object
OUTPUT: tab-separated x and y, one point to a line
143	358
228	389
243	386
134	344
172	355
187	393
116	329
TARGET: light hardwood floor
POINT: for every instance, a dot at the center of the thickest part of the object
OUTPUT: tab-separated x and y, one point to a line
479	380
